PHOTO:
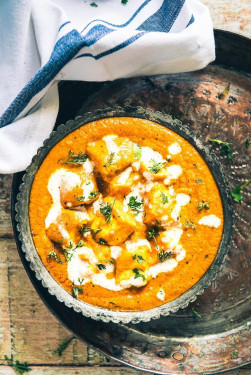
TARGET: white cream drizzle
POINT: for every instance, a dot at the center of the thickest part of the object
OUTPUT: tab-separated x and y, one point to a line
161	294
174	148
210	220
181	200
173	172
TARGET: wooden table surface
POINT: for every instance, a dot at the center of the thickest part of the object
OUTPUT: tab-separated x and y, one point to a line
28	331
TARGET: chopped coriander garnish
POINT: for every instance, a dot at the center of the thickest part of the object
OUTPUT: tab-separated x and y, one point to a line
53	255
135	203
164	198
80	281
199	181
155	166
21	368
110	159
224	93
75	159
93	194
225	146
102	241
203	204
81	199
101	266
234	354
68	255
93	5
86	229
137	150
76	290
124	2
236	193
164	255
137	273
139	258
189	224
151	235
196	314
247	143
61	348
106	210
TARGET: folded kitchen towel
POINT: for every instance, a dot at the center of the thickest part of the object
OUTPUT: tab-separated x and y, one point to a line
43	42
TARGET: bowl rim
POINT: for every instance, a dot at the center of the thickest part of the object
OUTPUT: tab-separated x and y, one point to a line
41	272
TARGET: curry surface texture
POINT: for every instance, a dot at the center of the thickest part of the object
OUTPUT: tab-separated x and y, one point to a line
150	225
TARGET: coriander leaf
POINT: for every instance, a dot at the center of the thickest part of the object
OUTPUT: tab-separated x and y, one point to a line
225	147
110	159
106	210
135	203
199	181
75	159
21	368
61	348
138	274
189	224
80	199
101	266
236	193
93	194
164	255
196	314
93	5
137	150
102	241
151	235
139	258
164	198
124	2
202	205
86	229
234	354
224	93
247	143
155	166
76	290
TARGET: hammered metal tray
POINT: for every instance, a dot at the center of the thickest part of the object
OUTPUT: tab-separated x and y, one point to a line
217	337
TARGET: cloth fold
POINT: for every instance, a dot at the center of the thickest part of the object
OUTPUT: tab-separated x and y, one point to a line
43	42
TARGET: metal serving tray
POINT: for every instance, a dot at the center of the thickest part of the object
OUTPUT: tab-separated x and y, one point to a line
212	334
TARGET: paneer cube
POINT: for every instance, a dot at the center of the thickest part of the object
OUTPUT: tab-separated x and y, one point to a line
116	225
111	155
158	205
77	188
65	226
122	183
133	263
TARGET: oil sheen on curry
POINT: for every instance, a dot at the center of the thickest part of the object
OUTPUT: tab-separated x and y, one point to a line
125	214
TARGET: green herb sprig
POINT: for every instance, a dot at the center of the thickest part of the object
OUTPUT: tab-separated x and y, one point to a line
137	150
135	204
155	166
225	147
137	273
236	193
106	210
138	258
21	368
164	198
164	255
196	314
61	348
75	159
110	159
152	234
86	229
189	224
204	205
76	290
101	266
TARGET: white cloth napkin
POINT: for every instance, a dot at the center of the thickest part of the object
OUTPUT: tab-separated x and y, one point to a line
43	42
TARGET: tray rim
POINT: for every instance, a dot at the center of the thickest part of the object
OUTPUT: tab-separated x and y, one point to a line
40	292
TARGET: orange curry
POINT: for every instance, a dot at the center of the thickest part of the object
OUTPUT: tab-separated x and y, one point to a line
125	214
